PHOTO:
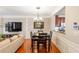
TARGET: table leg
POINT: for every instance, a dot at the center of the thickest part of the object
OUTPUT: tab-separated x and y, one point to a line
38	47
49	45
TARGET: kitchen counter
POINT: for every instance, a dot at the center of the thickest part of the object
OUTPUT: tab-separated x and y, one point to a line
67	43
71	38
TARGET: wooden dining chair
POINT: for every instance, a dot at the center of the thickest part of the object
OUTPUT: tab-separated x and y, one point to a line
50	41
33	42
42	44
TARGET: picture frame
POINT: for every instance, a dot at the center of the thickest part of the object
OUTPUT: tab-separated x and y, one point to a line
38	25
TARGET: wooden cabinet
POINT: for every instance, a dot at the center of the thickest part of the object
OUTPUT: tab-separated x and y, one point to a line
62	44
59	21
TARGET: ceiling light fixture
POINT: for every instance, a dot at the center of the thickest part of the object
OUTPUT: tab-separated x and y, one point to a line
38	18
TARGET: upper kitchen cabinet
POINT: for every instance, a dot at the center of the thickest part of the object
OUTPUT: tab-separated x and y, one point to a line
60	20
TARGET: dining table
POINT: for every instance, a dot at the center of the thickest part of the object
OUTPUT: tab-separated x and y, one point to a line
46	39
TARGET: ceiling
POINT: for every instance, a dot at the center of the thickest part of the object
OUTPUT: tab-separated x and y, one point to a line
28	10
61	12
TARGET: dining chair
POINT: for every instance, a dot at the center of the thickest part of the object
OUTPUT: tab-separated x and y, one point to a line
50	40
33	42
42	44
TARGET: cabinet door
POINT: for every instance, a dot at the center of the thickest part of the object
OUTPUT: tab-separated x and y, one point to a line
62	44
59	21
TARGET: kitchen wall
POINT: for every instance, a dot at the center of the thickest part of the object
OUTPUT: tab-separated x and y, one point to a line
52	22
69	42
53	28
72	15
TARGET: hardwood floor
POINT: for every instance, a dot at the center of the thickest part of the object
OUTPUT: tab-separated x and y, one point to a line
26	47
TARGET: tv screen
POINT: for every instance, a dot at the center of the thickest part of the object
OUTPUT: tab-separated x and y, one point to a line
14	26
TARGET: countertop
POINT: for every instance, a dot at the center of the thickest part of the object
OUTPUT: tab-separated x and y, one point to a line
72	38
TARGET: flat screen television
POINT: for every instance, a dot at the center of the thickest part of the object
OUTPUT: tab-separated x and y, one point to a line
13	26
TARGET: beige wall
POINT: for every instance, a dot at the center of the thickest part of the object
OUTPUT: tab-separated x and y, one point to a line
72	15
30	25
27	24
69	42
53	22
6	19
52	28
